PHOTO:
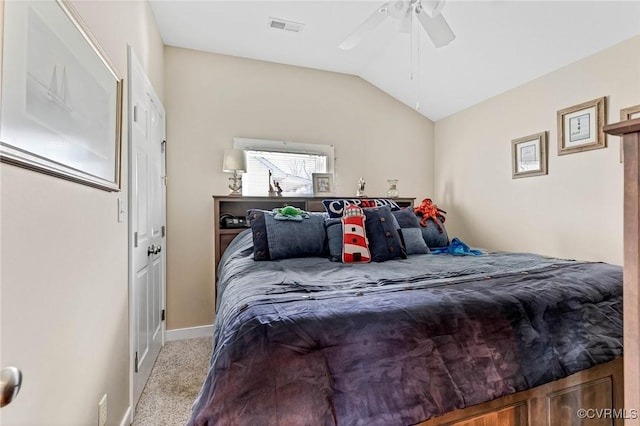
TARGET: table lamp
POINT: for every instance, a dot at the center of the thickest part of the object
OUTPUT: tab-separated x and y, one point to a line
234	162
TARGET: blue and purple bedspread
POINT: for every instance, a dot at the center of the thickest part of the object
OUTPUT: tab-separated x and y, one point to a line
312	342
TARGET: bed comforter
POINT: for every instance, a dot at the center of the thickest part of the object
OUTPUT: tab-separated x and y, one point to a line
311	342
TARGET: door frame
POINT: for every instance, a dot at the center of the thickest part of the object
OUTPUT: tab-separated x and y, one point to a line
132	58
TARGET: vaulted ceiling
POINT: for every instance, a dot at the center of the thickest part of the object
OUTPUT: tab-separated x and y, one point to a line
499	44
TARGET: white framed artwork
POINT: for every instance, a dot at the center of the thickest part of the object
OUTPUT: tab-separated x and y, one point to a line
529	155
61	97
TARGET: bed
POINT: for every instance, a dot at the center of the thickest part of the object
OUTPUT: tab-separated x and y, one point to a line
306	341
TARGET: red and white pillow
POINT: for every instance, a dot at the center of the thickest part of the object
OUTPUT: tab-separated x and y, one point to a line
355	246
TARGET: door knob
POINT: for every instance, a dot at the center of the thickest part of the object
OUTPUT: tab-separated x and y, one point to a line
157	250
151	250
10	381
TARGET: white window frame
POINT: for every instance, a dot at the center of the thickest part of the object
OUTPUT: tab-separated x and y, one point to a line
326	151
247	144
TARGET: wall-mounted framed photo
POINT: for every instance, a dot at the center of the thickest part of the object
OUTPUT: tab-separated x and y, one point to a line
323	184
529	155
580	127
61	110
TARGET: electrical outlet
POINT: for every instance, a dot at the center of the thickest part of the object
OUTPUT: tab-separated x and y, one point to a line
102	411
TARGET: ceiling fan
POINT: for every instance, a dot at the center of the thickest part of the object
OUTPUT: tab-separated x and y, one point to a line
427	12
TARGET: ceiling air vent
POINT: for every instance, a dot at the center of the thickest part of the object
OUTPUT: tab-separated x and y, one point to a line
281	24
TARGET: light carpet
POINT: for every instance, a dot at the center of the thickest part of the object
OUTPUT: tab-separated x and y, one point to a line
175	381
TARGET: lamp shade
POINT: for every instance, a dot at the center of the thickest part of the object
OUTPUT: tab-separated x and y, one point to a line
233	161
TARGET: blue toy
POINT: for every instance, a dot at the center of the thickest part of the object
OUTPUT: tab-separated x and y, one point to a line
457	248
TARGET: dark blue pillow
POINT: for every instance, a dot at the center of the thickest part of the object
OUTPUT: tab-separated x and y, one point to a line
382	233
282	239
432	235
259	231
335	207
407	218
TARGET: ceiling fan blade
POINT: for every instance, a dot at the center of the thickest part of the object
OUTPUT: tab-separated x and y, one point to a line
436	27
368	25
404	24
432	7
397	8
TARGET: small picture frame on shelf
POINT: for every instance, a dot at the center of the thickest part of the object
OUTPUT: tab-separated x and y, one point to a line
580	127
529	155
628	113
322	184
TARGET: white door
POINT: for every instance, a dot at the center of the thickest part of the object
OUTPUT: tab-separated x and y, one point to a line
147	225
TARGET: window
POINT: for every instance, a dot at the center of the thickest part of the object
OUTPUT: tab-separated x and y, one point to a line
291	165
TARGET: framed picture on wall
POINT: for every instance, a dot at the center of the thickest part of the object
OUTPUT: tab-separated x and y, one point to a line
580	127
529	155
322	184
61	108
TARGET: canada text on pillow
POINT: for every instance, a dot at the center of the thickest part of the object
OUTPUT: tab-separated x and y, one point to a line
336	206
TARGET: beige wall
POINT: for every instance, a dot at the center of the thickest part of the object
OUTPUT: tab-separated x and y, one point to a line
212	98
576	210
64	292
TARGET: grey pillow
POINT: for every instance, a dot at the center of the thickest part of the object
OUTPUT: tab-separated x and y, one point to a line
413	241
410	231
334	239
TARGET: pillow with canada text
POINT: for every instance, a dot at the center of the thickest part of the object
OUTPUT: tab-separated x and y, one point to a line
336	206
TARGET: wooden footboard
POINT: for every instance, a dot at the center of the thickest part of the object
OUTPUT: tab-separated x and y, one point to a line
595	395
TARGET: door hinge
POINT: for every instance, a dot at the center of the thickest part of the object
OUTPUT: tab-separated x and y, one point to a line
163	145
135	239
162	315
135	362
164	180
163	230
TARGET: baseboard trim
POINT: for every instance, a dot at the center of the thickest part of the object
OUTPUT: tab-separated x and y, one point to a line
127	419
188	333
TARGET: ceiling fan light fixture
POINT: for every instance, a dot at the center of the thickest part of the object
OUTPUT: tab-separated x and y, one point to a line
431	20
